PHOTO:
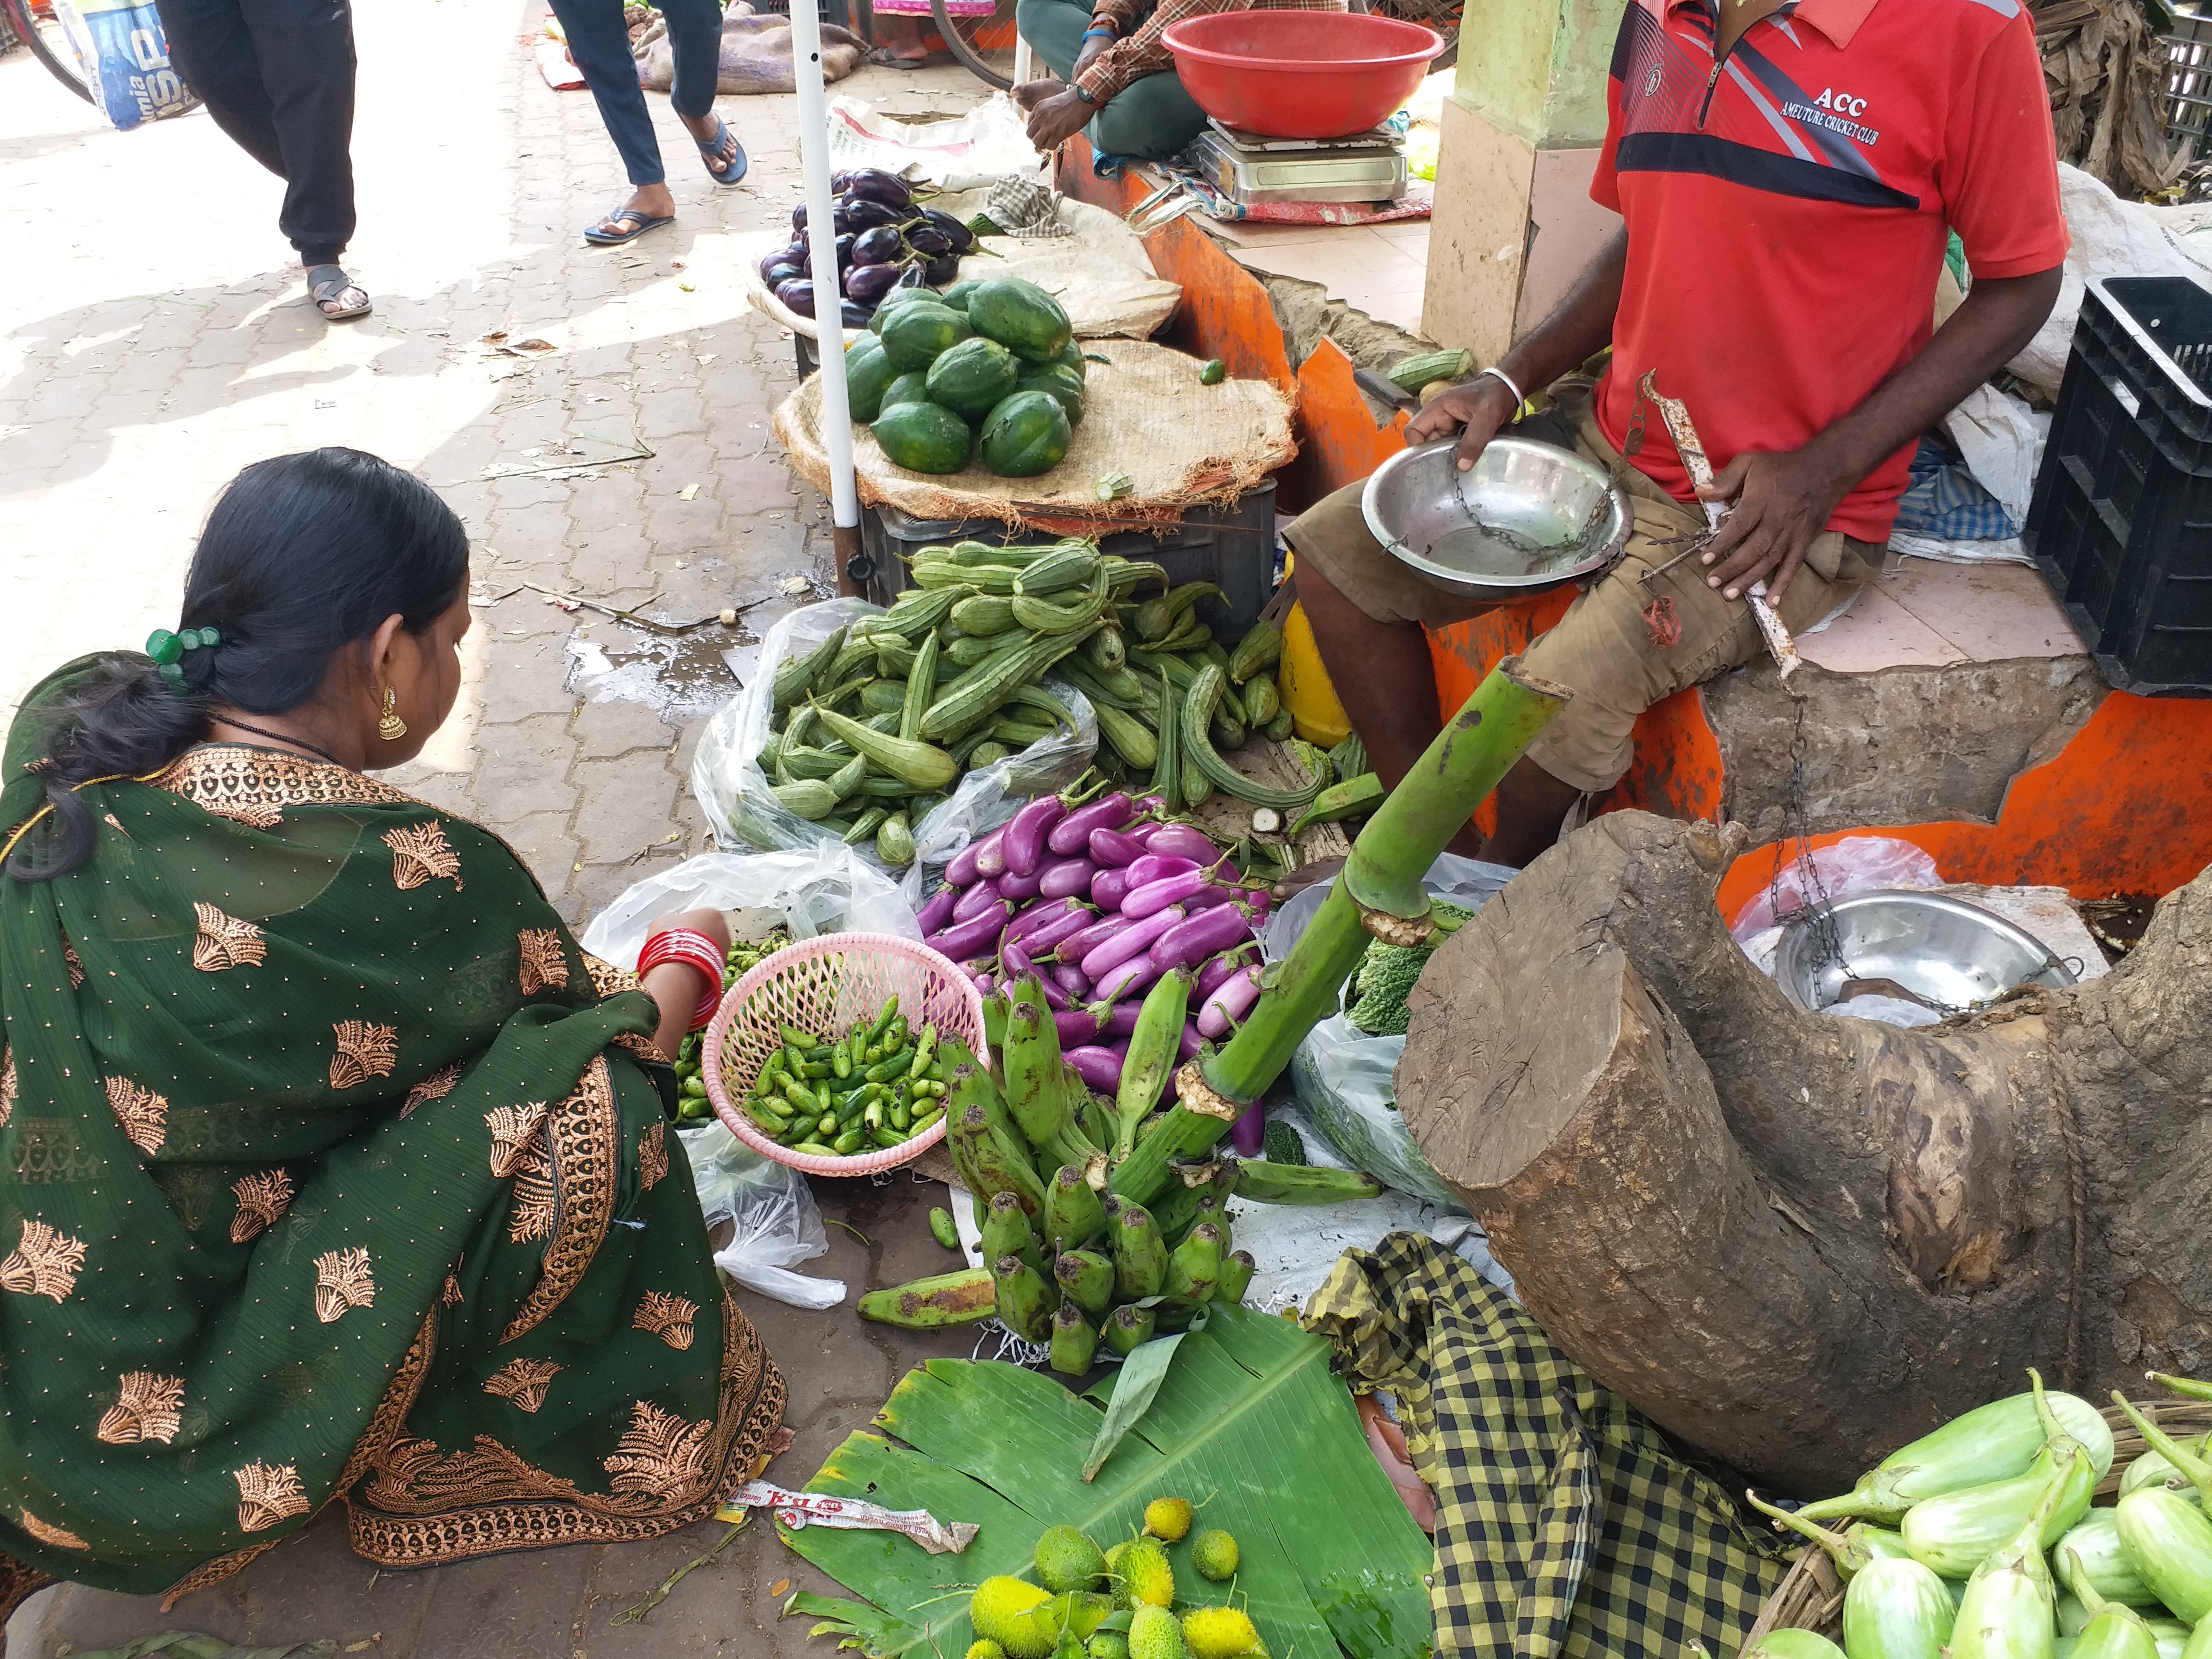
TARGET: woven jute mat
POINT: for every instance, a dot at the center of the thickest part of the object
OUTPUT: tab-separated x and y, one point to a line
1183	443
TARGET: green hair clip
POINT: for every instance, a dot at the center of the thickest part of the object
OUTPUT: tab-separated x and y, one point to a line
167	650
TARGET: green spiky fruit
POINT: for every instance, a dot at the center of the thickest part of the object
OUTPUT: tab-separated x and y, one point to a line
1066	1560
1114	1560
1080	1614
1015	1614
1168	1517
1110	1644
1154	1634
1214	1555
986	1649
1217	1633
1146	1579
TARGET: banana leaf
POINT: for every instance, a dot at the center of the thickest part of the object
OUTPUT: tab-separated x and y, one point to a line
1249	1424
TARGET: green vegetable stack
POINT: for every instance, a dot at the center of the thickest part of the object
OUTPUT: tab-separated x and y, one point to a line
990	365
691	1104
878	1085
2000	1498
1089	1603
1068	1261
874	726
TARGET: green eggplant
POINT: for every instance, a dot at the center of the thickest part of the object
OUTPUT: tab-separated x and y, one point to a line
1789	1644
1951	1534
2172	1636
2199	1644
1087	1280
2114	1632
2152	1469
1024	1303
1129	1328
1994	1442
2092	1550
2169	1543
2188	1387
2009	1609
1073	1217
2191	1466
1007	1232
1897	1610
1140	1255
1075	1344
1852	1550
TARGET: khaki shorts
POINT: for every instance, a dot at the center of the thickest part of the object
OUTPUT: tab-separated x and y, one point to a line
1602	647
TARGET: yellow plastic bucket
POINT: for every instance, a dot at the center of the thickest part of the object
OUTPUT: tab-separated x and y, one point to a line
1316	715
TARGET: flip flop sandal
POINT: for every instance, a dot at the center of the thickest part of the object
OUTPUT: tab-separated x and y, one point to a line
638	224
884	57
710	151
335	286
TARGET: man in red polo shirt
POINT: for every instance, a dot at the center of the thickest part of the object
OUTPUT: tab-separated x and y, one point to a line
1787	173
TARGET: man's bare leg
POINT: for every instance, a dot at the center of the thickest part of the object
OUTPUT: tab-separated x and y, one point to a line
1383	678
1532	805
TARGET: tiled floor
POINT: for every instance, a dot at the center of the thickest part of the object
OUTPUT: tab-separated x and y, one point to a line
1929	614
1377	268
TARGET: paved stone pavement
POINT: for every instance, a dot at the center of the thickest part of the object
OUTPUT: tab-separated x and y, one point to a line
153	339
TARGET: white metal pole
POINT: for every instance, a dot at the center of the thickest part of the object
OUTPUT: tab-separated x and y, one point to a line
828	287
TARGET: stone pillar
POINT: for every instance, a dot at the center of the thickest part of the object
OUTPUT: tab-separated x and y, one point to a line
1514	224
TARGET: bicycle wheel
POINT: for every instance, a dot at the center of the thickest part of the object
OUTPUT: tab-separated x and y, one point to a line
33	23
982	40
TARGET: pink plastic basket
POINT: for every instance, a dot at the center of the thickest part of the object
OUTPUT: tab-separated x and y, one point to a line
827	985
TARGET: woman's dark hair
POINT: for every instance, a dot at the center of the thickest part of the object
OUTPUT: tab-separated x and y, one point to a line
302	555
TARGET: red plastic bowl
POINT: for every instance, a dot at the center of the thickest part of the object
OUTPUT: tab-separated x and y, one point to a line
1300	73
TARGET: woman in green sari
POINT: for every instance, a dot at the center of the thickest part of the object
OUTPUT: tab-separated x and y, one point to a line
330	1167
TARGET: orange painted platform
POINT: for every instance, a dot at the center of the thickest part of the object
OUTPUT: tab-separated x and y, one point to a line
2126	807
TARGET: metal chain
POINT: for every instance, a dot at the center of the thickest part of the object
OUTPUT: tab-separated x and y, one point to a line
1815	911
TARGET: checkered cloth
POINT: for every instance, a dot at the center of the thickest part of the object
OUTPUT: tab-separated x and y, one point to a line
1944	499
1565	1524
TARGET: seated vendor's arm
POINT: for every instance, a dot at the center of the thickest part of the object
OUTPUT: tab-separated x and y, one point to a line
1104	67
2000	194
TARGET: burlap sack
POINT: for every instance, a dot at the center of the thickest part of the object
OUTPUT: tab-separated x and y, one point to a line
1145	414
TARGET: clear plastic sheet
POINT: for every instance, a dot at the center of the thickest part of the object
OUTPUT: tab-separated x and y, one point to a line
743	812
1342	1077
778	1225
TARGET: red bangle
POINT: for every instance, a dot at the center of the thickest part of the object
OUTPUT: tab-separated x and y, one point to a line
692	949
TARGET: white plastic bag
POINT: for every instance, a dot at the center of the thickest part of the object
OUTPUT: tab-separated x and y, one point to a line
826	889
727	778
1341	1076
773	1209
1857	864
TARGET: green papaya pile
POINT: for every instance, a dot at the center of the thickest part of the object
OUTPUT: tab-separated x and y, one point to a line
987	368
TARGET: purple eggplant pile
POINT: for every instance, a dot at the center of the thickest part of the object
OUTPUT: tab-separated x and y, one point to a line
887	238
1098	900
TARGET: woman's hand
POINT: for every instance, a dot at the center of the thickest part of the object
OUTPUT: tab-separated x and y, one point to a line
677	987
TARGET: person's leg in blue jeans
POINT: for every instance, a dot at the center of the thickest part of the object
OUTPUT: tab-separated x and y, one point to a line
599	44
1151	119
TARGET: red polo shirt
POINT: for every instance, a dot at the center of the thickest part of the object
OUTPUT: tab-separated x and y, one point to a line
1788	209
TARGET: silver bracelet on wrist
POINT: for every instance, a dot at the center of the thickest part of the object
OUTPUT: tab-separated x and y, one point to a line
1506	381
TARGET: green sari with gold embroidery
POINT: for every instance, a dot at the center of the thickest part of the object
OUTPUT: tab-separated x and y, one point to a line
330	1167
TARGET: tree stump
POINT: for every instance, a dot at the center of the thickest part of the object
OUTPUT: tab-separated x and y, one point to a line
1795	1240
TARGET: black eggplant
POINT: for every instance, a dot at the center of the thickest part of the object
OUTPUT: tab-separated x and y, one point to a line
863	213
798	220
853	314
874	184
877	247
962	239
778	274
839	179
770	263
941	270
927	240
869	283
797	295
845	251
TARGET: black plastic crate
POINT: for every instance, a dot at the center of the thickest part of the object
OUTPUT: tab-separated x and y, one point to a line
2121	523
1232	546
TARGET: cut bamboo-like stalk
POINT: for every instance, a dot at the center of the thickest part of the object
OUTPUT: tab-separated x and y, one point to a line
1395	850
